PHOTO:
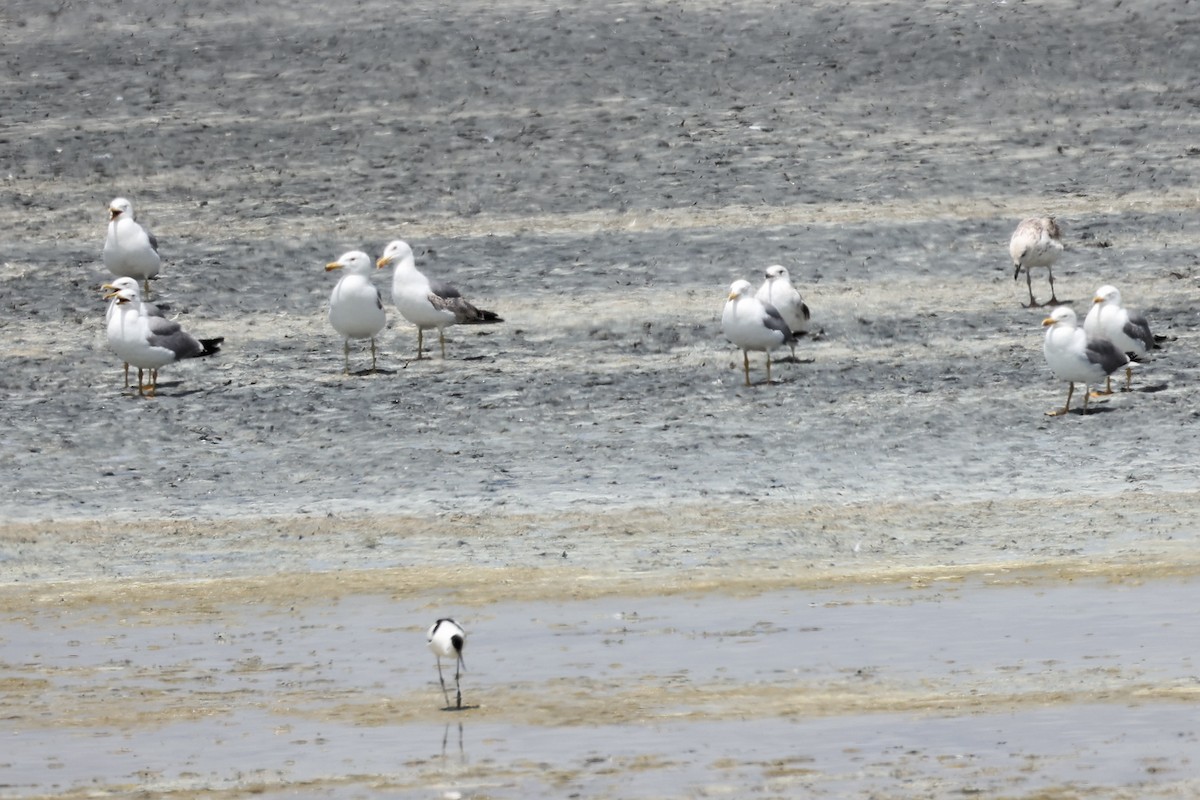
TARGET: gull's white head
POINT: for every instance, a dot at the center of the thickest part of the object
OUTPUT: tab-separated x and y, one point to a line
123	290
777	271
396	251
118	207
1107	294
356	262
1062	315
739	289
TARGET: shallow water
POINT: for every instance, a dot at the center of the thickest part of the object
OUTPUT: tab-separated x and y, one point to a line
978	684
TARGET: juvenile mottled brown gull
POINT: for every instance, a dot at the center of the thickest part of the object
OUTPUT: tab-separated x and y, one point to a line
149	342
428	303
1127	329
129	250
753	325
1075	357
1037	242
355	307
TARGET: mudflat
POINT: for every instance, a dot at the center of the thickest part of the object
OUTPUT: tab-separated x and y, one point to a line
887	572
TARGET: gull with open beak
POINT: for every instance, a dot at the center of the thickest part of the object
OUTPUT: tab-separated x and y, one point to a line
145	341
129	250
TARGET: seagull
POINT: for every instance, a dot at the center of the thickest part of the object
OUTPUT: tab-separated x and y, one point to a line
1076	357
148	309
355	307
129	251
146	341
1128	330
777	290
753	325
428	303
1037	242
446	639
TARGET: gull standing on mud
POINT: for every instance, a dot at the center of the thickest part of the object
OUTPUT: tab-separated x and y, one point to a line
777	290
447	639
355	307
129	251
148	342
149	309
753	325
1075	357
1127	329
1037	242
428	303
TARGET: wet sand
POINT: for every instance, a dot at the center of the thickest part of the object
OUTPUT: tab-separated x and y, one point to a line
887	573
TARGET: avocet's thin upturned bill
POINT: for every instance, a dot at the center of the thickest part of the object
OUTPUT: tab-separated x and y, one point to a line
447	639
1075	357
753	325
425	302
129	250
355	307
1037	242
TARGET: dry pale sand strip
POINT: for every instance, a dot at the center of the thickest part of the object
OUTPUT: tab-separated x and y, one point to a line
1015	540
81	222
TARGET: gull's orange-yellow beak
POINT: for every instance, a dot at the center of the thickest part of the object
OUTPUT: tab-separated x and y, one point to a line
332	265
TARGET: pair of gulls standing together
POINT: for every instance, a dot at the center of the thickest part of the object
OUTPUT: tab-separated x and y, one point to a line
772	316
356	307
1111	336
137	330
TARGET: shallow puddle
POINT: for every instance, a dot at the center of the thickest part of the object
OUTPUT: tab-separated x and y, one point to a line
942	688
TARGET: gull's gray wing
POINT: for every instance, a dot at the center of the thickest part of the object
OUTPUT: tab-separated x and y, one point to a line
464	313
1105	354
774	320
443	289
1137	328
170	335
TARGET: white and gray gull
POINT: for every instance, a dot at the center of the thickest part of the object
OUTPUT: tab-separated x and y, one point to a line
149	342
753	325
425	302
1125	328
1075	357
355	307
129	250
777	290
